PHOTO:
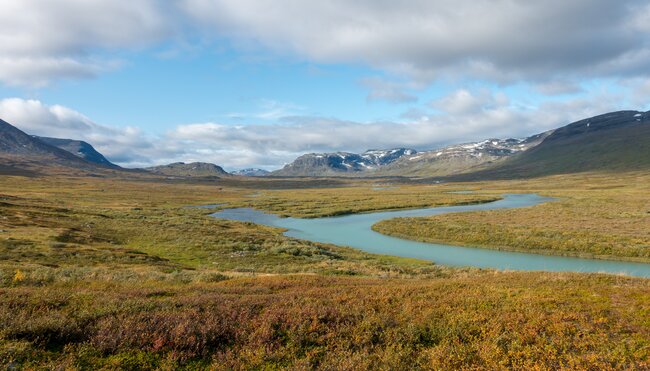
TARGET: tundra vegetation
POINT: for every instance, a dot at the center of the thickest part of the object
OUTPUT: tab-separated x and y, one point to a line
595	216
120	273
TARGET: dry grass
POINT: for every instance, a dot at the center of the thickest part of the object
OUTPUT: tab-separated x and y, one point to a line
487	321
118	274
595	216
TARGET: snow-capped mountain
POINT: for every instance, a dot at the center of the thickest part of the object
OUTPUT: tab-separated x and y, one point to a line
318	164
612	142
460	158
488	147
452	159
251	172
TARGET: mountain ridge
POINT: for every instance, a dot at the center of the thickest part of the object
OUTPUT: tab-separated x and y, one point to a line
251	172
190	170
340	163
78	148
22	151
614	141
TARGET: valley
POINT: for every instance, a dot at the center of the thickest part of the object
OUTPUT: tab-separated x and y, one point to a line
92	256
324	185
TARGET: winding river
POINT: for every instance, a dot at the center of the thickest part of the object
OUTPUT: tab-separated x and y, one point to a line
355	231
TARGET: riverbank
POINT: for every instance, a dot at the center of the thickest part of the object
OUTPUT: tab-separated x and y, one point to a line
356	231
596	217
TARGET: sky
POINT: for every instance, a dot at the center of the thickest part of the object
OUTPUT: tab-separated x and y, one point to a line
256	83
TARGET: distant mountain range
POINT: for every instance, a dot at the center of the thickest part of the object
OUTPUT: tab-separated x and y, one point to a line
408	162
194	169
459	158
338	163
613	141
251	172
616	141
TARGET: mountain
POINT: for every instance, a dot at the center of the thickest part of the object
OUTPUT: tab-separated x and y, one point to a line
194	169
342	163
251	172
616	141
460	158
19	150
455	159
78	148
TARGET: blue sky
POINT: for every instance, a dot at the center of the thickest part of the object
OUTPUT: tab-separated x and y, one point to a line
157	92
257	83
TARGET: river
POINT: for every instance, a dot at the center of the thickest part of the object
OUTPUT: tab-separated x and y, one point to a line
355	231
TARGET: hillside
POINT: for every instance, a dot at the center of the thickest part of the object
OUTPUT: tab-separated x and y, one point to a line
460	158
20	151
616	141
194	169
78	148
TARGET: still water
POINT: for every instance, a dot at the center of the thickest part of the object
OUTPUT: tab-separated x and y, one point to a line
355	231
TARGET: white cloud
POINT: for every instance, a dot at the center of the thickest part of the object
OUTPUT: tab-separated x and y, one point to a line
42	40
122	145
269	109
463	102
558	87
470	115
500	40
639	92
38	72
391	91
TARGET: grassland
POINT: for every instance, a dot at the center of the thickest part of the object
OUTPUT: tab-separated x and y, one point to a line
598	216
119	273
93	222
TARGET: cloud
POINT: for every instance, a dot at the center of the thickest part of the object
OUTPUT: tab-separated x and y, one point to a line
380	89
38	72
470	115
41	41
464	102
122	145
467	116
558	88
639	91
269	109
500	40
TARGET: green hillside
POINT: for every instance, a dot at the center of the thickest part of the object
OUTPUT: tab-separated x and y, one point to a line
613	142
